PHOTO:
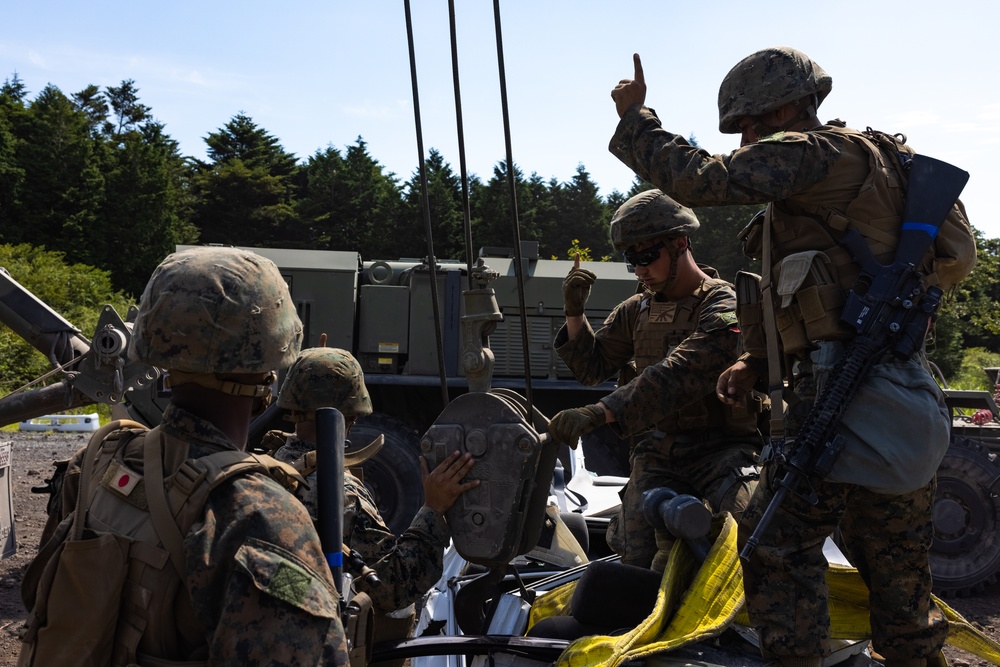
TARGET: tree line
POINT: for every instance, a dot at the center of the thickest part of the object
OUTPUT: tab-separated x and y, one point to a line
94	177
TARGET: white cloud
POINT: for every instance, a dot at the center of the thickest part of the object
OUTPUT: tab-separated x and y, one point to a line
36	59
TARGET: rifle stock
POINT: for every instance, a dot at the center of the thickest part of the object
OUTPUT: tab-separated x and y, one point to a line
890	311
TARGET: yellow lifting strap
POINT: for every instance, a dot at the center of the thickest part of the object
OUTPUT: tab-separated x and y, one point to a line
714	600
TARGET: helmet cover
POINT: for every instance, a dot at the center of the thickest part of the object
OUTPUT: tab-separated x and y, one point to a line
325	377
648	215
767	80
216	310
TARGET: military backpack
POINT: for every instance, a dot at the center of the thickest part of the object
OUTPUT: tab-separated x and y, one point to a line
107	588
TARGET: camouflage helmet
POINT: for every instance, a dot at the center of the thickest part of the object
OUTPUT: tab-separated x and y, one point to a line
325	377
767	80
216	310
649	215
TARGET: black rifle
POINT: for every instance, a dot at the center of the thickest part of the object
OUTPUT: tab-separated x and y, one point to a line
889	310
330	491
331	431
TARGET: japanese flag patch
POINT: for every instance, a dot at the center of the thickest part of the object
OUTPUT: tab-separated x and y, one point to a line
121	479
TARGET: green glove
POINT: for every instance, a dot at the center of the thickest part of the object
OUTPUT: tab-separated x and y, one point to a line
576	290
567	426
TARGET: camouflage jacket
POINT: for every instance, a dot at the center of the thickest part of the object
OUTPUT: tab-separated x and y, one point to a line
408	566
262	592
787	166
686	375
824	169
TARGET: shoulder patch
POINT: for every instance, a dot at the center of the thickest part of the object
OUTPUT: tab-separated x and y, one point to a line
279	574
729	317
725	319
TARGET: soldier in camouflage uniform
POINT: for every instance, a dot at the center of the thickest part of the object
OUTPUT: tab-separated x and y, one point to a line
258	588
818	181
407	566
674	336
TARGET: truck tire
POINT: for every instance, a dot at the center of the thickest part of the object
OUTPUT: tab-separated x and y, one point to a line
392	475
965	555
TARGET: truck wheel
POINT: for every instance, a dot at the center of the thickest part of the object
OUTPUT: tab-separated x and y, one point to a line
392	475
965	555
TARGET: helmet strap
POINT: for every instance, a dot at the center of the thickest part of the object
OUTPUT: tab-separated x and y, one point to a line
211	381
808	109
674	253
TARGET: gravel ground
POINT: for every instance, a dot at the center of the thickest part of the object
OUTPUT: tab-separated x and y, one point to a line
31	463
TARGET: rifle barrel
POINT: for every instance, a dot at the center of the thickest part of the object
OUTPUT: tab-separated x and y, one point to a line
330	489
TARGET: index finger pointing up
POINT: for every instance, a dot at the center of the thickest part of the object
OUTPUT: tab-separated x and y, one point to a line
638	68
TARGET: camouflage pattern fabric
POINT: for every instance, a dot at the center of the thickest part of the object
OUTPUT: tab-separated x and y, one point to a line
216	310
800	172
887	538
788	166
725	478
766	80
324	377
409	565
649	215
686	375
262	592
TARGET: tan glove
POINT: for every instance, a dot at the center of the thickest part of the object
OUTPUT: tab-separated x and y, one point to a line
567	426
576	289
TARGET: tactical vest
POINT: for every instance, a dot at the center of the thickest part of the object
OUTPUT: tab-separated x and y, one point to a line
662	326
108	588
811	272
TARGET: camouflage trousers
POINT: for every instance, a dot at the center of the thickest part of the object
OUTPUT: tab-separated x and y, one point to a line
886	538
724	477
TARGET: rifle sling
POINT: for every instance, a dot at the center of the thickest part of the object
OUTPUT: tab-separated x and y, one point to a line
775	381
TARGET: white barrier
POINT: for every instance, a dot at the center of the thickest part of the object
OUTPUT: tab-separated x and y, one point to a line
8	543
90	422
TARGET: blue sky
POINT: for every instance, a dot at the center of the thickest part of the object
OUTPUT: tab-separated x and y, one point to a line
324	73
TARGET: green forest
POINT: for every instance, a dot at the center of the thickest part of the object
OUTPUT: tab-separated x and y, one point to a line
94	193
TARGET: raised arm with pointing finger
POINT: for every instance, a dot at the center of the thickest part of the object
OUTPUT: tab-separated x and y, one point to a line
630	92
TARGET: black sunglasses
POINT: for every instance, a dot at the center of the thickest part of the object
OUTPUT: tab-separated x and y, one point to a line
643	257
